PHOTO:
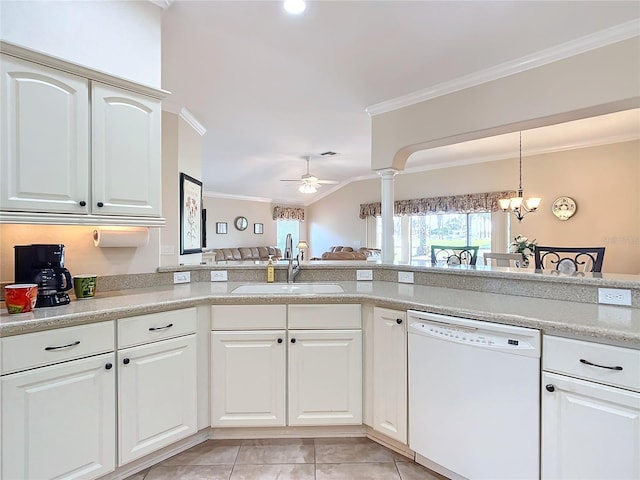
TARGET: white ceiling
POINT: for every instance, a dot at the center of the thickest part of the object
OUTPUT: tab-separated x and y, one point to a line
271	88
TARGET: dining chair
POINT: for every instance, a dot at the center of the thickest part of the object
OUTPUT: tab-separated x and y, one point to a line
569	259
451	255
503	259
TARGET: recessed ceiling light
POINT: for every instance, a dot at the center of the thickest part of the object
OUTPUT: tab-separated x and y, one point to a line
294	7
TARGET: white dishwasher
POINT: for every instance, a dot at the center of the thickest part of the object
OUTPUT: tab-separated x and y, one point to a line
474	401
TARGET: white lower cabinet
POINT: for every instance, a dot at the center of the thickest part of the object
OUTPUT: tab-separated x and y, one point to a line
157	383
325	377
59	421
248	378
256	361
590	430
389	373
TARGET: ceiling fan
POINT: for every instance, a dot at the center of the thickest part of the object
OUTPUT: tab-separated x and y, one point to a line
310	183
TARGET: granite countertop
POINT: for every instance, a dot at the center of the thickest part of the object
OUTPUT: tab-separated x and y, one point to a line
603	323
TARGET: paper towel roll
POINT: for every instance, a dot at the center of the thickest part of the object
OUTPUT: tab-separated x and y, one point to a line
121	237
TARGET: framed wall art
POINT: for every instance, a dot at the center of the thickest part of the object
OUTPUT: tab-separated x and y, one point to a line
258	228
221	227
190	215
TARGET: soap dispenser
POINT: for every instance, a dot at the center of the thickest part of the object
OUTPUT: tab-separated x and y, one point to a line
271	270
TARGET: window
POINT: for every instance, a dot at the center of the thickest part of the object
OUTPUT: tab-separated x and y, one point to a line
414	235
283	227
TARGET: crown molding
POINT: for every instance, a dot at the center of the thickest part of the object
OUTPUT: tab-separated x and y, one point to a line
193	122
615	34
237	197
163	4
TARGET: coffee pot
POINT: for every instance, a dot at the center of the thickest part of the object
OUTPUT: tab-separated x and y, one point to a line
43	264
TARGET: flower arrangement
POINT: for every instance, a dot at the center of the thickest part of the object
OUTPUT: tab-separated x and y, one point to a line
523	246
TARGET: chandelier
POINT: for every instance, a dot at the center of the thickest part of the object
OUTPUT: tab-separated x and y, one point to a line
518	205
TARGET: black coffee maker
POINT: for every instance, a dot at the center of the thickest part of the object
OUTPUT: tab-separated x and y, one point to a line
43	264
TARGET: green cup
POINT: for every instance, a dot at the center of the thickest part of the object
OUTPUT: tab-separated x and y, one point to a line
84	286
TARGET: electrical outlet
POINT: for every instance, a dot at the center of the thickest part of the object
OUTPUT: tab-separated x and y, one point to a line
218	275
614	296
364	274
405	277
181	277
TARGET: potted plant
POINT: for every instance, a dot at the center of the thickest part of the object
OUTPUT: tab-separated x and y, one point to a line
523	246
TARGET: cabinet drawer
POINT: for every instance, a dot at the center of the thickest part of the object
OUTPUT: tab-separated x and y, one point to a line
324	316
564	355
156	326
248	317
53	346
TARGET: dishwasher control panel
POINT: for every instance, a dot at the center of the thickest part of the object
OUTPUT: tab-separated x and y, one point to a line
523	341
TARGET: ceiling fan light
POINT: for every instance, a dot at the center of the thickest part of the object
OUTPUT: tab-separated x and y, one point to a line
294	7
306	188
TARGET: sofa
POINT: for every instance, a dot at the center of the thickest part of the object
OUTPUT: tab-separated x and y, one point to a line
348	253
243	253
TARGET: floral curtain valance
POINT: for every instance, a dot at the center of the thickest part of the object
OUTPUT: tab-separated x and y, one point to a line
469	203
288	213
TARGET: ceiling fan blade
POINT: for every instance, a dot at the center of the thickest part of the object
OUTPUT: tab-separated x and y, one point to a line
328	182
297	180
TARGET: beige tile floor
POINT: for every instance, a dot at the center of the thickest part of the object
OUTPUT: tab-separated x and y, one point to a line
288	459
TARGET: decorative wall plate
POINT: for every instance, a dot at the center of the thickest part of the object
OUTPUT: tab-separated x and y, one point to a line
564	208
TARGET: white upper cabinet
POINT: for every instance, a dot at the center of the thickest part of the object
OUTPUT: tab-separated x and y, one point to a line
79	147
126	138
45	132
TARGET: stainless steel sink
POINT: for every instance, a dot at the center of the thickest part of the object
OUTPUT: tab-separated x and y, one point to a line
288	288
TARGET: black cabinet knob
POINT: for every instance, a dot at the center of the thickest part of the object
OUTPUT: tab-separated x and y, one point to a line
108	366
83	203
293	340
550	388
279	340
126	361
100	204
398	321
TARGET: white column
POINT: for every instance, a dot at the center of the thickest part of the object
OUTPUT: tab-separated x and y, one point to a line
387	214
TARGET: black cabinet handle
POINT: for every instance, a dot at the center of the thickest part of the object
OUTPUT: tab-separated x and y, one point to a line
126	361
399	321
100	204
59	347
83	203
550	388
587	362
279	340
293	340
155	329
108	366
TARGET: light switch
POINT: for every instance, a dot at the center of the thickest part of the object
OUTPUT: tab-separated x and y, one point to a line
364	274
405	277
218	275
181	277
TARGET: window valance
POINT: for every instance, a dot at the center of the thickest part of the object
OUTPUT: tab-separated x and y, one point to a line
468	203
288	213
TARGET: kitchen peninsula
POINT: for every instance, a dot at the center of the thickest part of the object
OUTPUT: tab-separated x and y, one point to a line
150	335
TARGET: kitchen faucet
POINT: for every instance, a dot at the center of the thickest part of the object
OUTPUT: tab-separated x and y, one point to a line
292	271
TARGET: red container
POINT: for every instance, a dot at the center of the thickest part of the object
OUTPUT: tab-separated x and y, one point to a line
21	298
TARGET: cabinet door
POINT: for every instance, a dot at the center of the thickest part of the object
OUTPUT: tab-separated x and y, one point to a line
248	378
59	421
390	373
325	377
126	159
45	130
589	431
157	396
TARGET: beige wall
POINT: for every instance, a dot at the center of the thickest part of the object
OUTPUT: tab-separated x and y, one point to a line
227	210
81	256
598	178
593	83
